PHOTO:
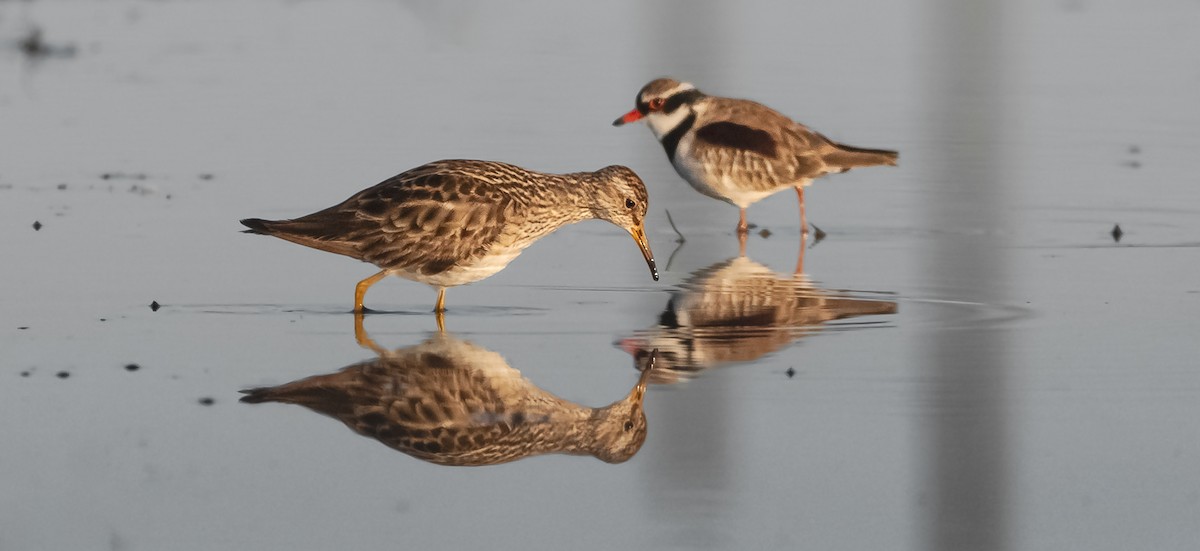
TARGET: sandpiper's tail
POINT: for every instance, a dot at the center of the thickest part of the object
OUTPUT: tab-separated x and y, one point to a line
258	226
318	232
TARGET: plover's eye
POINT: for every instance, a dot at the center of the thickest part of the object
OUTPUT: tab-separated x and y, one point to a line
629	203
656	104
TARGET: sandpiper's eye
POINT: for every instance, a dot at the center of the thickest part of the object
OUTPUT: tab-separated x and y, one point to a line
629	203
656	104
628	426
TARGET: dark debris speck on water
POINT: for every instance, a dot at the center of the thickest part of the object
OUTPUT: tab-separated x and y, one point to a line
132	367
1117	233
206	401
765	233
25	373
63	374
123	176
37	225
23	327
154	306
791	372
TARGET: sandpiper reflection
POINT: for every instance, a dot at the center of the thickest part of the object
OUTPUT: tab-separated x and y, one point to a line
738	310
450	402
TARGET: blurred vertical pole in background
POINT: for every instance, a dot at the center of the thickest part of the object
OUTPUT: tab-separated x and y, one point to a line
690	475
966	479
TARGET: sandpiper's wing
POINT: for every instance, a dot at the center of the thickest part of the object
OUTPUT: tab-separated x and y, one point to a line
424	220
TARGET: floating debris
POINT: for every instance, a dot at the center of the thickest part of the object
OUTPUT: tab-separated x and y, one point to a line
1134	149
123	176
154	306
35	46
791	372
765	233
62	186
1117	233
37	226
23	327
142	190
63	374
132	367
205	176
206	401
25	373
681	239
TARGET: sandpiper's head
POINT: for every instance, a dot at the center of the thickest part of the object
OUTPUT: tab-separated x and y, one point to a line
621	198
622	426
664	103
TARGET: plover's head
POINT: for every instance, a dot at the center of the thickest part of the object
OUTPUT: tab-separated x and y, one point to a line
664	103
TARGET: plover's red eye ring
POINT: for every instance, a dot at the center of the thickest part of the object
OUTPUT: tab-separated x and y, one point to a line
656	104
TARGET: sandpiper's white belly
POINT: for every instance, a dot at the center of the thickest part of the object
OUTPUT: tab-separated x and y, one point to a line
476	270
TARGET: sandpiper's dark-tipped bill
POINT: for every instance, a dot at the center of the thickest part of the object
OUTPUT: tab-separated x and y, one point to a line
632	116
639	235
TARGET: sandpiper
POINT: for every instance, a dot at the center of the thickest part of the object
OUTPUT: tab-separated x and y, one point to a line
454	222
450	402
740	151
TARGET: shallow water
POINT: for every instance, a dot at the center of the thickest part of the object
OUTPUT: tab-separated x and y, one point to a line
1036	387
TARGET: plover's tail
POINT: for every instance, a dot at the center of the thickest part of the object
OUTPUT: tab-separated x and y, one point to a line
846	157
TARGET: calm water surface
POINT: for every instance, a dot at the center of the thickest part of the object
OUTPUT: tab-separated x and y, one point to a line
969	360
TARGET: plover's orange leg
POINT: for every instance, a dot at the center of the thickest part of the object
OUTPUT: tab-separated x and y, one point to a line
742	228
800	259
803	219
360	290
360	335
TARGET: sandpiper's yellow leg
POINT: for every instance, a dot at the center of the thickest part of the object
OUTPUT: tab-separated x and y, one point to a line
742	243
441	303
360	335
441	321
360	290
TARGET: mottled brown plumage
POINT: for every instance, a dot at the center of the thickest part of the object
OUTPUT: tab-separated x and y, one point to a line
740	151
454	222
739	310
450	402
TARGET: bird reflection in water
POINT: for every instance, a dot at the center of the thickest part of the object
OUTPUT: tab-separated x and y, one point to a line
739	310
450	402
